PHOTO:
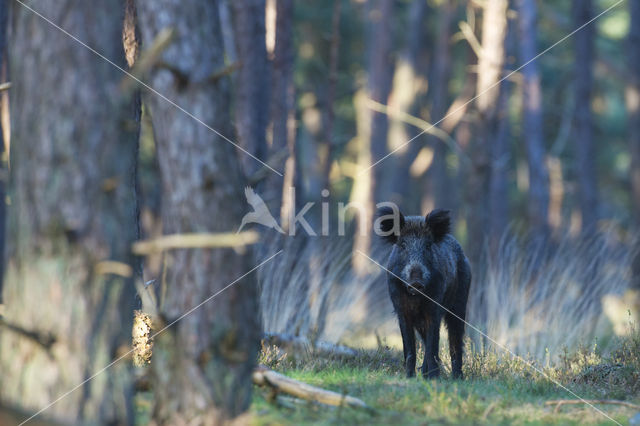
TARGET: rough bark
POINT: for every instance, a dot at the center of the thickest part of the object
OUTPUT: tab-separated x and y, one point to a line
67	312
252	82
4	171
538	196
633	108
490	66
583	147
202	365
283	115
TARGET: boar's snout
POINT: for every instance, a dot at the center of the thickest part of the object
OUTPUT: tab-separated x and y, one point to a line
415	278
415	274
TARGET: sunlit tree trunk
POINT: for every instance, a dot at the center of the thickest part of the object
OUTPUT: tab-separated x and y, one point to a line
380	69
202	365
283	115
334	49
373	126
490	66
252	81
500	164
501	159
585	161
68	292
538	202
633	108
408	76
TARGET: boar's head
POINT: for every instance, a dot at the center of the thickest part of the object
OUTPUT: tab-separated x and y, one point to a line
413	259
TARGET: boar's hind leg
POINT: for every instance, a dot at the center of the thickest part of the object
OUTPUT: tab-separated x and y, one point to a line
408	345
456	333
455	323
431	338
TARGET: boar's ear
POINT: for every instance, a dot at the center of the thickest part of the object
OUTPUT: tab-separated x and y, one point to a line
389	221
439	223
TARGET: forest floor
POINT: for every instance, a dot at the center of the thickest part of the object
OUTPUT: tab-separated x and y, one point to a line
497	389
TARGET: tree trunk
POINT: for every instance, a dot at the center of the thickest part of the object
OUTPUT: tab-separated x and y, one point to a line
501	161
252	83
380	70
490	66
538	202
439	183
500	164
68	292
408	71
633	108
202	365
4	169
283	116
331	94
585	162
372	126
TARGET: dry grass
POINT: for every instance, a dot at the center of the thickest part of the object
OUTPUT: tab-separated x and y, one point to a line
536	300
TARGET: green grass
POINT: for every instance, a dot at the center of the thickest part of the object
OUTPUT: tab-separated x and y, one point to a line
497	389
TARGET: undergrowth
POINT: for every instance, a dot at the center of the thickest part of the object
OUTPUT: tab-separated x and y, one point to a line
498	388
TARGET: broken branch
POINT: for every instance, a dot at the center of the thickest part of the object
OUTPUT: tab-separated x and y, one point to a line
262	376
196	240
148	59
425	126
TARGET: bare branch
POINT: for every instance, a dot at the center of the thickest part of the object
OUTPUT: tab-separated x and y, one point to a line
262	376
199	240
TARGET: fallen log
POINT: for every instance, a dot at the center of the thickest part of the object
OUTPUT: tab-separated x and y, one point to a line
560	402
262	376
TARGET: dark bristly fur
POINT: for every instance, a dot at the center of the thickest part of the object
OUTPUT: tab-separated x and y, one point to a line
427	265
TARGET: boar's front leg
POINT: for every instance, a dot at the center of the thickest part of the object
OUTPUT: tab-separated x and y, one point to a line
408	345
456	333
431	338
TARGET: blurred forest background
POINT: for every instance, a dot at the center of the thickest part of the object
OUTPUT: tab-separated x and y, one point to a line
522	117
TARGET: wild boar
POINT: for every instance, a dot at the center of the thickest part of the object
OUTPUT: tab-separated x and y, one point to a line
428	277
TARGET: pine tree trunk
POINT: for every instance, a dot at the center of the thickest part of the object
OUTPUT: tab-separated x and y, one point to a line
490	66
202	365
501	161
408	71
379	82
439	181
372	126
538	202
252	82
283	116
332	82
4	170
73	208
585	162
